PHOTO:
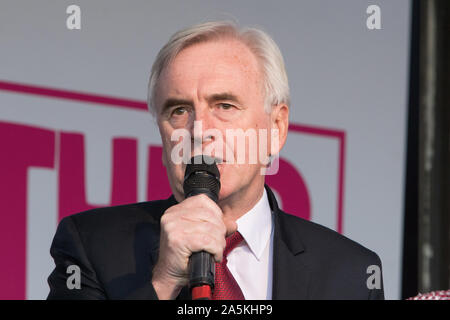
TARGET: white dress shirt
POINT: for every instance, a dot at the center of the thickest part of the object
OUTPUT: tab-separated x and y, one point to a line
250	262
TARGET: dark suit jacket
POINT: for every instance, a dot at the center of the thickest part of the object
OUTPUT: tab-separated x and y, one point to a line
117	247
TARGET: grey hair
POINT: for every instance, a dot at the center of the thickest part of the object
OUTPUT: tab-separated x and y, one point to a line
264	48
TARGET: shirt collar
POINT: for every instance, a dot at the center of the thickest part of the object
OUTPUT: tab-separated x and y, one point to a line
255	226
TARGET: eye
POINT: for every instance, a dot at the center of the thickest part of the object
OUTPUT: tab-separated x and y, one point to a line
226	106
179	111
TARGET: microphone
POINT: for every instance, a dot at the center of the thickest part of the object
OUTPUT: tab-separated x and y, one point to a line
201	177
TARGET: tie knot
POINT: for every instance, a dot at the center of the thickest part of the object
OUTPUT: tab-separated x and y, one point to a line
232	242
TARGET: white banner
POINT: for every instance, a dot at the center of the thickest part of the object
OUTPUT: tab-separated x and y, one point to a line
75	133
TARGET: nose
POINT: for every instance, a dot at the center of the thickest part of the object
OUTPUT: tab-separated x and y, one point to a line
205	134
203	122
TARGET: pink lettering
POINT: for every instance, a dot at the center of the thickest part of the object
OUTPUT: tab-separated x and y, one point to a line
22	147
292	189
72	186
158	186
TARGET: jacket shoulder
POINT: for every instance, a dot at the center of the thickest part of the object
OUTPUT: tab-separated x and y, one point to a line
120	227
338	267
114	246
120	216
324	243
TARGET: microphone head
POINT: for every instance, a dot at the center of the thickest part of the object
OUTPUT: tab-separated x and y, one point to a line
202	176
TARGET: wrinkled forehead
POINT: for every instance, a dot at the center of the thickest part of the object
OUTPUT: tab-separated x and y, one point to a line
223	64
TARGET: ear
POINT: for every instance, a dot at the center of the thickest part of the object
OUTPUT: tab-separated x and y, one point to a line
280	121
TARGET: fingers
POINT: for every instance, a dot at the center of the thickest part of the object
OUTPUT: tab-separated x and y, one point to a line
194	231
195	210
204	202
214	243
193	225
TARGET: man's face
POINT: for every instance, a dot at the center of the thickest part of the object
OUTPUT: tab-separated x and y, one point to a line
218	83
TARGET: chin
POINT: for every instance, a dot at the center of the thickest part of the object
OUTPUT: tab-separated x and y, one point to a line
228	187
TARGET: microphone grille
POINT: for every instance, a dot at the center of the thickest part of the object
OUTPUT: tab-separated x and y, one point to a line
202	176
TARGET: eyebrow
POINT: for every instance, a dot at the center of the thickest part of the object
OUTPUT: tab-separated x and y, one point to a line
222	96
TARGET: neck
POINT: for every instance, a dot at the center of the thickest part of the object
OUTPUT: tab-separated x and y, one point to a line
241	201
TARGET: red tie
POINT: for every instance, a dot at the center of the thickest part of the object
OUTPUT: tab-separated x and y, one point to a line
225	287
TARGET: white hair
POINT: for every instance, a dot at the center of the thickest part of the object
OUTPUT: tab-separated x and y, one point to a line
266	51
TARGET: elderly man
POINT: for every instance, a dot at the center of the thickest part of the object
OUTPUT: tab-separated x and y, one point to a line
223	78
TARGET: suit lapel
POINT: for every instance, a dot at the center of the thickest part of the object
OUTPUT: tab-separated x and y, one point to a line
290	274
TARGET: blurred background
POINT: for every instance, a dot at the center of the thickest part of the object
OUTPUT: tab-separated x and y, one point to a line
368	150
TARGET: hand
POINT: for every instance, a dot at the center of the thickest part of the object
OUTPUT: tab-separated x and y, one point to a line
193	225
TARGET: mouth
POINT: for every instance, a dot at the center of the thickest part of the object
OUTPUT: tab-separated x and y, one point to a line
220	162
217	160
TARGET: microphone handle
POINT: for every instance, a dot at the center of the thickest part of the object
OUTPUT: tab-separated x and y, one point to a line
201	275
202	267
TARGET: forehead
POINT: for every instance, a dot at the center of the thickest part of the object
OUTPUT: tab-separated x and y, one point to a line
224	65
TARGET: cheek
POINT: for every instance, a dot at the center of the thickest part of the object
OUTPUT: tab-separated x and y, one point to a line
256	140
174	169
166	132
234	177
167	147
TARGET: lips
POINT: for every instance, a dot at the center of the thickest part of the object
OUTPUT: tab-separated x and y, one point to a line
218	160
